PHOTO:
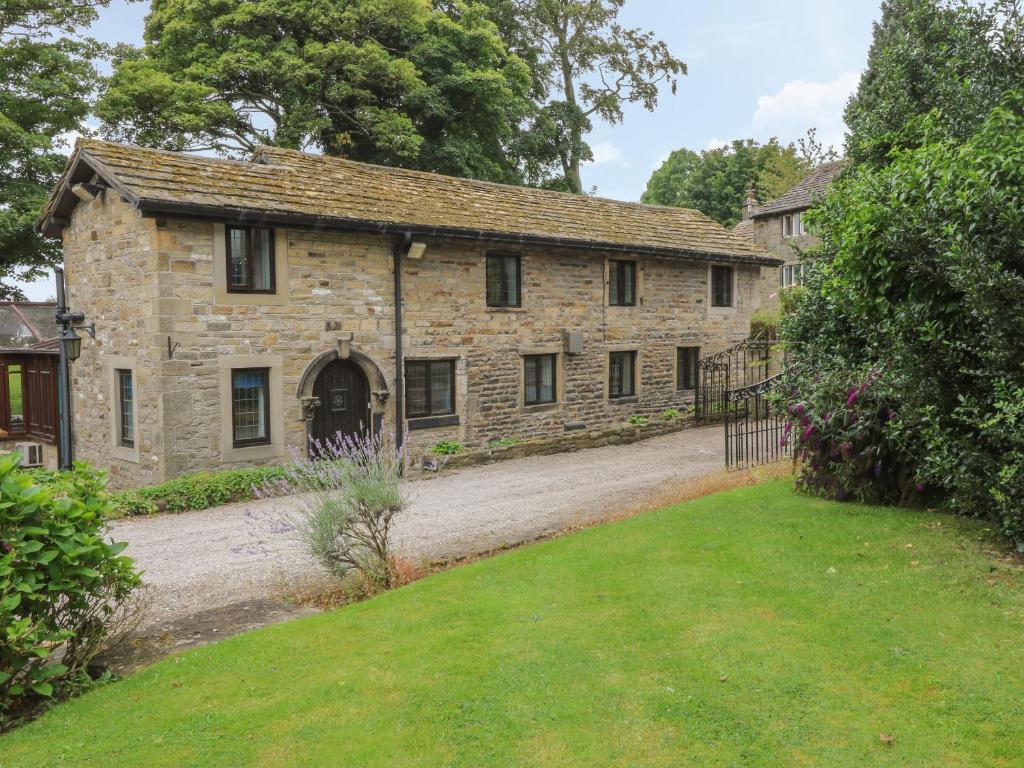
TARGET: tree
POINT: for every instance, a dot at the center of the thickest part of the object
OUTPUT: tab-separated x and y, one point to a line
394	82
585	66
913	307
46	82
716	181
948	55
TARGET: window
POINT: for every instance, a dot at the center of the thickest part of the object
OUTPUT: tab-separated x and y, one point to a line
250	407
622	283
793	225
621	374
686	367
429	388
721	286
792	274
125	409
504	277
540	379
14	381
250	254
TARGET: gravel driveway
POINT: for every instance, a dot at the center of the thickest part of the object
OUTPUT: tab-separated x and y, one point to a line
198	561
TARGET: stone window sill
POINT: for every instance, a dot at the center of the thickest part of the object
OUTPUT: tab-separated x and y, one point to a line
430	422
631	400
541	408
507	310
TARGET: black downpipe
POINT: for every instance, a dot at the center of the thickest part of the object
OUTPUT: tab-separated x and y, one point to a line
399	250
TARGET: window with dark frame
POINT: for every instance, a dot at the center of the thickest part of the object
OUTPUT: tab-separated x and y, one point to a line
504	280
686	367
429	388
621	374
539	379
621	283
250	407
14	389
250	255
721	286
125	412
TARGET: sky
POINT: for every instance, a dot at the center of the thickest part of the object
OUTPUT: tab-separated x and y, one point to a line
756	70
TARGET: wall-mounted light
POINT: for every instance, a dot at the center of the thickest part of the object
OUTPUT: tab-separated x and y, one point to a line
416	250
86	191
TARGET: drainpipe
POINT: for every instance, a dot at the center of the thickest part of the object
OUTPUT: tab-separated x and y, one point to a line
399	249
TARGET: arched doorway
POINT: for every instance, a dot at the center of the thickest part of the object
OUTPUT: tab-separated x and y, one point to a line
344	402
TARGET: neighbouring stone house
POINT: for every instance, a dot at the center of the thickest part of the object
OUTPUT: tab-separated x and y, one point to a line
778	226
243	308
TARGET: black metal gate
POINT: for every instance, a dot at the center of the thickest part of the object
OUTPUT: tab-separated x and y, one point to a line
741	365
755	428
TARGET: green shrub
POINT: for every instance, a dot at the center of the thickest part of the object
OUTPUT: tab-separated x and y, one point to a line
764	323
62	585
447	448
920	279
505	442
670	414
790	298
639	421
197	491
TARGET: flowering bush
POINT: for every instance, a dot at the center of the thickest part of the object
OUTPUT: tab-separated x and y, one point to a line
911	328
841	428
348	495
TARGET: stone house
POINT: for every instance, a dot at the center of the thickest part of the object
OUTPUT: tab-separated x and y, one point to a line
778	226
246	308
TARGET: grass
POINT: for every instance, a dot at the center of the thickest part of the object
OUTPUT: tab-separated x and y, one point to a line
753	627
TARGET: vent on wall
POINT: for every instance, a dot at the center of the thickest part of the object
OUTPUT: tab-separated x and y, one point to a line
31	454
573	343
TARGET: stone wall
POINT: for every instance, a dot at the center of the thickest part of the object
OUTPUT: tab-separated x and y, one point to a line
112	260
148	281
768	235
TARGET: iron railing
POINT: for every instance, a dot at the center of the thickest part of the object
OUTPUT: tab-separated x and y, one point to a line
755	428
741	365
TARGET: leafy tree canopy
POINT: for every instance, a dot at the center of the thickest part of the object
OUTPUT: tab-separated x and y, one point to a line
716	181
46	82
585	66
953	56
395	82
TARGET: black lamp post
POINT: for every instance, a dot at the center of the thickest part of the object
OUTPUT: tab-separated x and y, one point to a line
70	348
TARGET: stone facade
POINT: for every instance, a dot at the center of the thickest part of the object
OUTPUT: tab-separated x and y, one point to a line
151	285
766	226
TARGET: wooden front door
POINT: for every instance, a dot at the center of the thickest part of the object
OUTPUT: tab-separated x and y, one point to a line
344	407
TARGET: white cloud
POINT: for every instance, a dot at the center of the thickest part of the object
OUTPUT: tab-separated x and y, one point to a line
606	153
716	143
802	104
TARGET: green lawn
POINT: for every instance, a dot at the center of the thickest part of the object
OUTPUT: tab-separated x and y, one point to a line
750	628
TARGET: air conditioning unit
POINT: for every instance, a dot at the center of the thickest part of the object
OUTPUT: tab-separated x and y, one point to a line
31	454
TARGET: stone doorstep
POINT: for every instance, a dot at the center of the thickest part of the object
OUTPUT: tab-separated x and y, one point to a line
546	446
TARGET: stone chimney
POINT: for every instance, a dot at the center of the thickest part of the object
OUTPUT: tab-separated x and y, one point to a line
750	205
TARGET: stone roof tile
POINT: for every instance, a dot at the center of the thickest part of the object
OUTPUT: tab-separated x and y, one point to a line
284	185
813	188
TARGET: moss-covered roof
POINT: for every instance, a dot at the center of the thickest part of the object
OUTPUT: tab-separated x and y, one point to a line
286	186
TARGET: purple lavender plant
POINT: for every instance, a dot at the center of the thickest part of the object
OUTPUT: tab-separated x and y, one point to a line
347	493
